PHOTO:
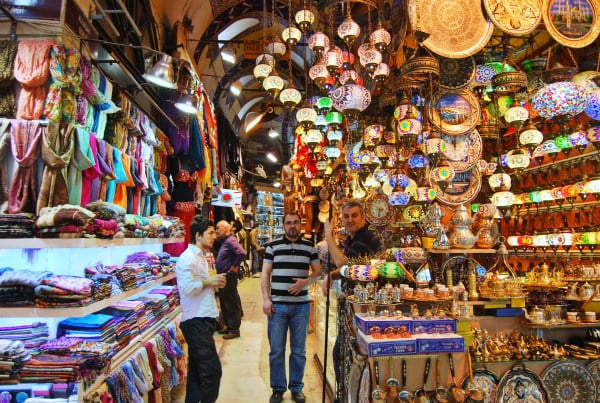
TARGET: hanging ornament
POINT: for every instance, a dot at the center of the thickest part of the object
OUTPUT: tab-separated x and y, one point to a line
318	42
348	30
351	99
380	38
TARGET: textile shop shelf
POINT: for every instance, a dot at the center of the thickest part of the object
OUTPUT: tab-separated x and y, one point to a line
27	312
41	243
122	356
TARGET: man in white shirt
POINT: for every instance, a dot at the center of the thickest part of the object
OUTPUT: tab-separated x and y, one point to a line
198	324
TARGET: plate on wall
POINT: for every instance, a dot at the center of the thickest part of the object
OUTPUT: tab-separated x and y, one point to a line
464	187
454	112
569	382
516	17
484	380
456	28
594	368
572	23
456	73
521	385
463	151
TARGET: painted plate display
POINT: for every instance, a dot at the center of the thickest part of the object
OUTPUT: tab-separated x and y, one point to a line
516	17
483	380
594	368
454	112
521	385
456	73
457	28
364	390
463	151
464	187
569	382
377	210
572	23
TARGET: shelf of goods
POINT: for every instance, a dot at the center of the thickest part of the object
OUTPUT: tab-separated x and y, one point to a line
41	243
122	356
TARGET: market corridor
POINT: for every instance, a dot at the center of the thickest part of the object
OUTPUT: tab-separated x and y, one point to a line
245	360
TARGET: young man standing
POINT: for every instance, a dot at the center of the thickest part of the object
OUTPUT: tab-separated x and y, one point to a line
284	282
196	291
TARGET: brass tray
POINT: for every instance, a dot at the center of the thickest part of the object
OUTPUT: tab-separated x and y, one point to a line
456	73
454	112
516	17
566	27
456	28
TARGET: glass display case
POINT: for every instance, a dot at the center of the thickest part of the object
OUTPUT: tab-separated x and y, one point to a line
269	216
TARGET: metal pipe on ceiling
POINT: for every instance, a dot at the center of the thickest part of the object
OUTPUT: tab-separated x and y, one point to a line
104	14
129	18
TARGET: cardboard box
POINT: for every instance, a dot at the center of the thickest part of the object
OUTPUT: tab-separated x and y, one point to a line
441	343
433	326
365	322
386	347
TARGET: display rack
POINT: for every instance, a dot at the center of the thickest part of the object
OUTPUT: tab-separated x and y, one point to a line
269	216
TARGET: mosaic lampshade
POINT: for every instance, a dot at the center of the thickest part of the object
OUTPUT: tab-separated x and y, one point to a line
531	136
332	152
333	59
290	98
372	135
351	99
380	38
318	73
381	72
323	105
306	117
499	182
560	98
334	136
262	71
425	194
318	42
304	18
516	114
503	199
276	48
312	138
348	30
273	84
593	107
291	35
348	77
348	59
518	159
321	123
370	59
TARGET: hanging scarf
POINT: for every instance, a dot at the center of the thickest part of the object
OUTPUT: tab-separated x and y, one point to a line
4	146
25	138
88	89
31	70
82	160
61	104
106	170
8	105
57	151
8	50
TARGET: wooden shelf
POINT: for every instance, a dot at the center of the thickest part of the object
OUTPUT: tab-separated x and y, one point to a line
459	251
582	325
125	354
27	312
42	243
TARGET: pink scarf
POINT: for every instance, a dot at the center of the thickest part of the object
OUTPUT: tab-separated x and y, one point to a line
25	140
32	71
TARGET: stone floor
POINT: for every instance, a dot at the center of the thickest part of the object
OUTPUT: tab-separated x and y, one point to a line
245	360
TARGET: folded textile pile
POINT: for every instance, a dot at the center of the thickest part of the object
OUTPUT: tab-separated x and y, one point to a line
63	291
52	368
32	335
141	271
13	355
16	225
133	318
93	327
159	263
136	226
169	226
64	221
101	287
170	292
17	286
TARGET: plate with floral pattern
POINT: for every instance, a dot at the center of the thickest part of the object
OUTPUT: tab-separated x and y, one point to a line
454	112
569	382
521	385
463	151
594	368
484	380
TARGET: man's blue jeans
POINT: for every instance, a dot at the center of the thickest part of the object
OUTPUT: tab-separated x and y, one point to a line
294	317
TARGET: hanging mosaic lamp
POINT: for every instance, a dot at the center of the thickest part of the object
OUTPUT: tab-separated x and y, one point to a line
499	182
593	135
333	59
530	137
370	59
348	59
351	99
273	84
290	97
262	71
312	138
442	174
304	18
348	30
381	73
518	159
335	136
321	123
318	73
276	48
318	42
323	105
291	35
560	98
372	136
433	146
593	107
306	117
516	115
380	38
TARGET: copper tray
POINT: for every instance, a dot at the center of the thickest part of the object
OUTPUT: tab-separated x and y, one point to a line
572	32
456	28
516	17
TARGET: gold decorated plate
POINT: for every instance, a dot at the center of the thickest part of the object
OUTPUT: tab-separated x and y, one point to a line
463	151
456	28
464	187
453	112
456	73
378	211
572	23
516	17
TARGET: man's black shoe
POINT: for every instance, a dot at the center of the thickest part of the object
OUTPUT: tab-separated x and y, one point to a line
298	397
223	331
276	397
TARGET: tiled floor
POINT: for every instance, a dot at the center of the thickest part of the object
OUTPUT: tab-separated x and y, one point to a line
246	360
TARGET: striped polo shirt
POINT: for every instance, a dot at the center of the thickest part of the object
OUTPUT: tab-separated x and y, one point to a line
289	260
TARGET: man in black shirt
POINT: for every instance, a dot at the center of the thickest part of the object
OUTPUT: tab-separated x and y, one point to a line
360	242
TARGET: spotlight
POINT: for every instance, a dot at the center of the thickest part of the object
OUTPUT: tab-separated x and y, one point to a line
162	73
271	157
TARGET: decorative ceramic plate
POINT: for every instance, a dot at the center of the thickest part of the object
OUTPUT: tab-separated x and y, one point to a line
464	187
377	210
353	383
569	382
594	368
456	28
453	112
456	73
483	380
572	23
463	151
364	390
521	385
516	17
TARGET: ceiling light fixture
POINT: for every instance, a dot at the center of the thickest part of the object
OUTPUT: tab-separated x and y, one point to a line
162	73
188	103
273	133
272	158
236	88
228	55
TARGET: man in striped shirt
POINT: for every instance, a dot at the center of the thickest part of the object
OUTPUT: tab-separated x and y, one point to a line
285	278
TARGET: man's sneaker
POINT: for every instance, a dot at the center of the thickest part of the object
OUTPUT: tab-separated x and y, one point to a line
276	397
298	397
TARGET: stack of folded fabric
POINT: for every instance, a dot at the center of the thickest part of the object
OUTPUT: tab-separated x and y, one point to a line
141	271
158	263
170	292
134	320
32	335
154	306
16	225
62	345
93	327
101	287
109	219
59	291
135	226
17	286
52	368
13	355
170	227
64	221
